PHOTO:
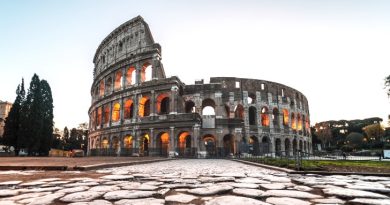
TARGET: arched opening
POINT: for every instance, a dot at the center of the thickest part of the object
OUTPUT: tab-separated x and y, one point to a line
252	115
264	117
239	112
105	143
227	110
144	107
300	145
129	109
295	146
299	122
116	112
285	117
208	107
304	124
118	80
108	86
97	143
278	147
128	142
275	117
115	145
146	72
189	107
144	145
305	146
101	88
210	145
254	146
163	104
184	144
265	145
287	146
307	124
163	144
99	116
251	98
131	76
228	145
106	114
293	122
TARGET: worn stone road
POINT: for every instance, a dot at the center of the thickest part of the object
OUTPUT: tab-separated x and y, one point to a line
210	182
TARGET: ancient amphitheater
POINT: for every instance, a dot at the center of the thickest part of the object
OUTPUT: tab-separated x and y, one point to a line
137	110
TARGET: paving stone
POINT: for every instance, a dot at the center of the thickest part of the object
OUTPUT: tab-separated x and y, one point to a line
180	198
8	203
181	190
154	183
73	189
329	201
81	179
251	180
33	183
241	185
248	192
146	201
286	201
58	182
42	200
370	201
234	200
210	190
215	179
273	186
9	192
26	196
81	184
117	177
303	188
84	196
46	189
127	194
236	175
140	175
138	186
162	192
103	188
175	186
10	183
291	193
352	193
277	179
95	202
370	188
49	179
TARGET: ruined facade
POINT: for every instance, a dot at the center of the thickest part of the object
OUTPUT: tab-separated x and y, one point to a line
137	110
5	107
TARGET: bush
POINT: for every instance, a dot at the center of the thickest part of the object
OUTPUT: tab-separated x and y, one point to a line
347	148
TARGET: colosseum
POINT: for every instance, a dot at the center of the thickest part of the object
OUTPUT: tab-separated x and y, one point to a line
137	110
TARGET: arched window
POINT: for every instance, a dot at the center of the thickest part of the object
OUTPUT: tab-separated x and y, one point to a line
106	114
109	85
130	76
275	117
251	98
252	115
299	122
293	122
129	107
128	142
144	107
239	112
118	80
264	117
208	107
93	119
190	107
116	112
285	117
105	143
163	104
146	72
99	116
101	88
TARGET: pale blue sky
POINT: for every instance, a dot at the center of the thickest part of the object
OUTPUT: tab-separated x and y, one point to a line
336	52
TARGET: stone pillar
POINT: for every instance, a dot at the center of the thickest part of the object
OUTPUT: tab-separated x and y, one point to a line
173	98
110	117
123	78
218	105
155	66
231	102
135	107
138	70
153	146
196	139
122	111
172	140
282	146
153	103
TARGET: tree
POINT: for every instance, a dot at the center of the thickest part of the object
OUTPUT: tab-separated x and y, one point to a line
355	140
387	85
375	133
65	139
12	123
324	133
47	118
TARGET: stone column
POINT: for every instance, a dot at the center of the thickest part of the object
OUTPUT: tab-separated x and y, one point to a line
138	70
110	117
122	111
153	103
135	107
123	78
282	146
173	103
152	148
172	140
218	105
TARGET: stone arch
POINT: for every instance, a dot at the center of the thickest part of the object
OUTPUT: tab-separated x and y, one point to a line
189	106
305	146
295	145
108	87
299	121
97	143
128	142
99	116
118	80
265	145
228	145
210	145
239	111
131	76
106	116
115	144
252	115
163	104
275	117
278	147
105	143
251	98
146	72
128	109
227	111
293	121
287	147
144	107
184	143
101	88
285	117
208	107
144	142
301	145
162	142
254	148
264	117
116	112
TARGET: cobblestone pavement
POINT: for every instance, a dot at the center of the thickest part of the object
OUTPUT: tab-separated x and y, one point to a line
210	182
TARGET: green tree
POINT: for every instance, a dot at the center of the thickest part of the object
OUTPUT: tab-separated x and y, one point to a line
46	137
13	121
324	133
375	133
355	140
65	139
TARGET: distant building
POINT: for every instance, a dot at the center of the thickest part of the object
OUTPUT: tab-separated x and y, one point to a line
5	107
